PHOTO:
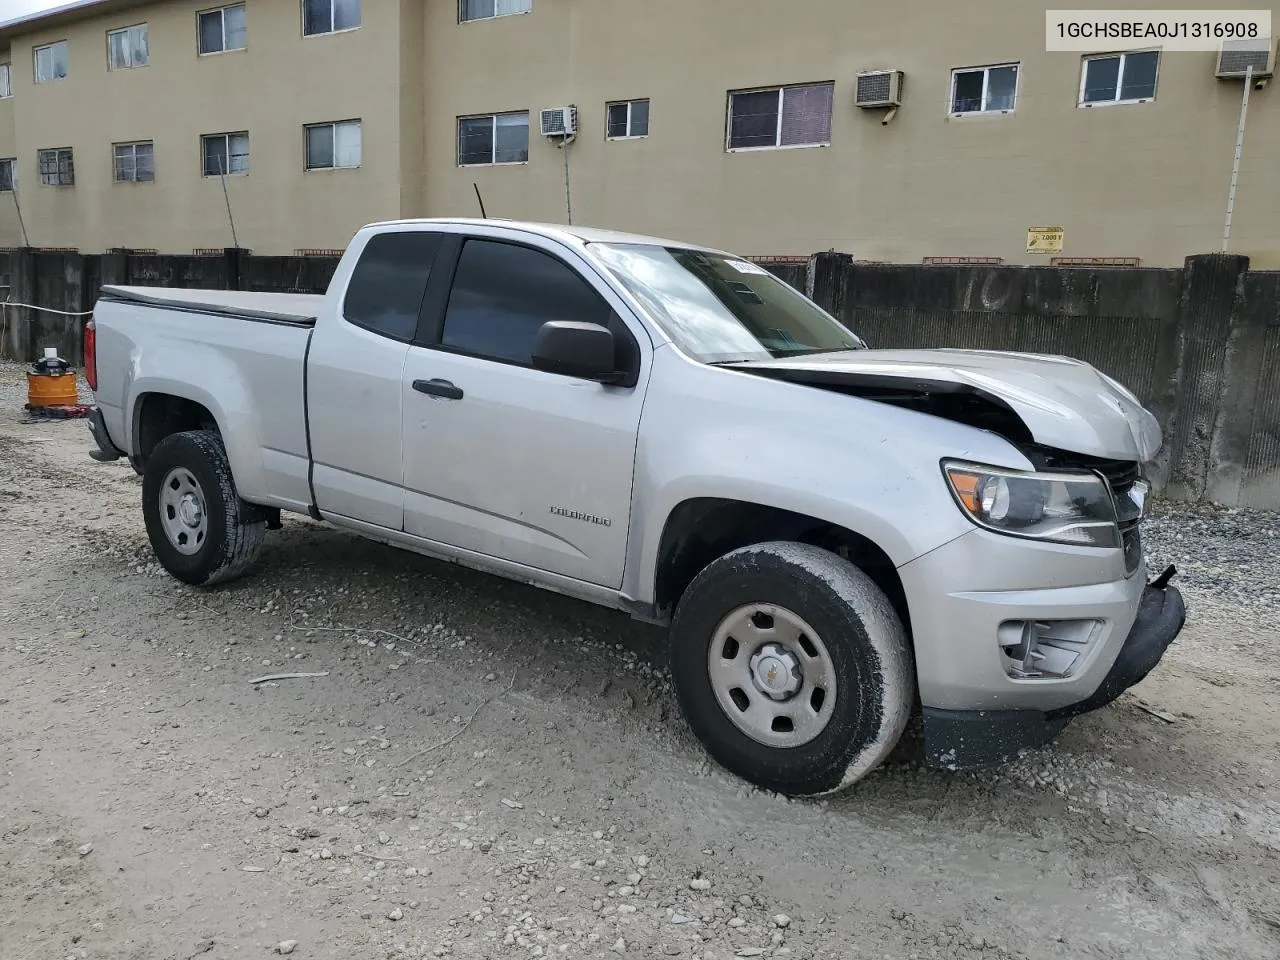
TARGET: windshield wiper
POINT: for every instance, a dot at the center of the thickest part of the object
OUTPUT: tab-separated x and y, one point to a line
816	350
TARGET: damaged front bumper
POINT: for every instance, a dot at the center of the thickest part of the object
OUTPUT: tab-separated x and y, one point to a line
964	739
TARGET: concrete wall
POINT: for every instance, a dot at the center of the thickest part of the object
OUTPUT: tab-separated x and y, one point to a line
64	282
1200	345
71	282
1244	452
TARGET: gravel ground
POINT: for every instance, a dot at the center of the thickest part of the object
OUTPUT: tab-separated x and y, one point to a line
486	770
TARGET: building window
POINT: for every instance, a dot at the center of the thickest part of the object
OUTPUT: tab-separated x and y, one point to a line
225	153
51	62
984	89
488	9
494	138
6	81
334	146
128	48
222	29
57	167
7	168
329	16
1119	78
796	116
628	118
135	162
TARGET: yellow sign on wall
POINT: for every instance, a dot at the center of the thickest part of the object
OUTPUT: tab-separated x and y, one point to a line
1044	239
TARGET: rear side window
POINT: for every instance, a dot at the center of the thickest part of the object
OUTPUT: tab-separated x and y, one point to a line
503	294
387	285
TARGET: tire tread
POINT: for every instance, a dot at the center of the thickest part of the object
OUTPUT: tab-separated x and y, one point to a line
242	534
830	581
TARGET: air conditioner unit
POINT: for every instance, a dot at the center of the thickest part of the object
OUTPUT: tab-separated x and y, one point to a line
879	88
1236	56
560	122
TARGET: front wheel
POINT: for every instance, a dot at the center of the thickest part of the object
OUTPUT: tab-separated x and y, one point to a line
201	531
791	667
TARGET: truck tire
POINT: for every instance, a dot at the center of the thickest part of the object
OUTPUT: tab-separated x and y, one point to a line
791	667
201	531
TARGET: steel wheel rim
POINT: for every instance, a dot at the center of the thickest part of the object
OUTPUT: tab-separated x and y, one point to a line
183	513
772	675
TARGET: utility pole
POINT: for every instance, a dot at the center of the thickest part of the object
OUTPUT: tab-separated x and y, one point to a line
1235	166
222	173
22	224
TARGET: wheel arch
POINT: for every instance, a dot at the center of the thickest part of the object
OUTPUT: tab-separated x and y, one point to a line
158	414
700	530
161	407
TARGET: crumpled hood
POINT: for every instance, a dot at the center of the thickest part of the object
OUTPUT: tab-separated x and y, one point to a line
1064	403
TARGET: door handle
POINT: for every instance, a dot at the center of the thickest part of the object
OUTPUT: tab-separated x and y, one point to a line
438	388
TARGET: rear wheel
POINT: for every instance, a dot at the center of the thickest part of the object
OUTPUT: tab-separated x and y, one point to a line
200	530
791	667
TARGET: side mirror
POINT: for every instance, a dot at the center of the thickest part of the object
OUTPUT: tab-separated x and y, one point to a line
574	349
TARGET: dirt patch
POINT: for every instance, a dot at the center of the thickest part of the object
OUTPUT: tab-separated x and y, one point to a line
487	770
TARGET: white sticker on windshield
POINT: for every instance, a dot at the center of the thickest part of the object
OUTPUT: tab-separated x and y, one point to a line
746	266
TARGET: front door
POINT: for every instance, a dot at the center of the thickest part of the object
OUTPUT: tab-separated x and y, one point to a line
506	460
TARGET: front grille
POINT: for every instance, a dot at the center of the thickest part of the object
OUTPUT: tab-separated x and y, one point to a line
1120	475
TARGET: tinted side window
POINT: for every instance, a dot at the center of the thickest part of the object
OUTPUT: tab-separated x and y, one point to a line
385	293
502	294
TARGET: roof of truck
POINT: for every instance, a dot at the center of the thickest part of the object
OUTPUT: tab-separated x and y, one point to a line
558	231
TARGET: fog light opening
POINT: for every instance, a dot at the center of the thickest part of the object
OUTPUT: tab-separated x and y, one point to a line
1045	649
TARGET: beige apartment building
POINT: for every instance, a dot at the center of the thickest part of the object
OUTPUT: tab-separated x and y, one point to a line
164	124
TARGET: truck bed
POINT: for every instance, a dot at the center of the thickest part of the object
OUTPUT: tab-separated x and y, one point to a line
240	355
297	309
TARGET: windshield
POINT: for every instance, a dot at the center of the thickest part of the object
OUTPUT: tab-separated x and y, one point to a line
720	309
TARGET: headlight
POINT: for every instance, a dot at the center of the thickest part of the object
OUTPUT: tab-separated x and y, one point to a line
1072	508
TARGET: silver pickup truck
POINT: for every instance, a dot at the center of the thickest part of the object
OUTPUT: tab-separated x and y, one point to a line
838	537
